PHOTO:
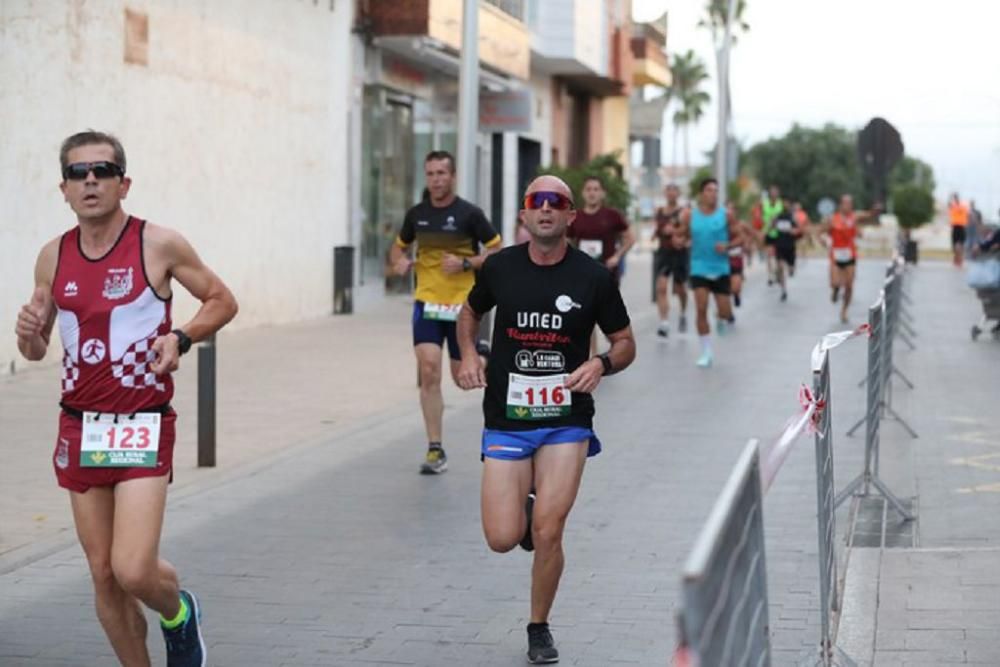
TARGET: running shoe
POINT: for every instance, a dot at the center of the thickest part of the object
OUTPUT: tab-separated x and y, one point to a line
541	647
527	543
705	360
435	463
721	326
682	326
663	331
784	296
185	645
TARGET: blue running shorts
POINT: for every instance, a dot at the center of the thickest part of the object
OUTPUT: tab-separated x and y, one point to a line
518	445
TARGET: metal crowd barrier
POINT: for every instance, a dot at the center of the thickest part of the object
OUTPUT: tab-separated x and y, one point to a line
882	354
723	621
830	591
724	618
893	309
880	322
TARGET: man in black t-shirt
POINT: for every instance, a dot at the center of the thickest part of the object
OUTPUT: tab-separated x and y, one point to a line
786	233
538	406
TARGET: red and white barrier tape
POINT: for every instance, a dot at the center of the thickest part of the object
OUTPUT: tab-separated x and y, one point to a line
811	413
832	340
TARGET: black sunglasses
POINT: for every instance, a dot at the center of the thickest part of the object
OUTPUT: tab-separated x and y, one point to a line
78	171
555	200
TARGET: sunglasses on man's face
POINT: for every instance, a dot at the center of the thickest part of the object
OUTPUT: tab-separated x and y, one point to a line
78	171
555	200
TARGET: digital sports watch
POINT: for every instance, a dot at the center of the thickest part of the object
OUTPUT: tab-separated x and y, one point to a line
183	341
606	362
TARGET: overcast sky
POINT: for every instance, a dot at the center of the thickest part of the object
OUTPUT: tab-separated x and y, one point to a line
932	69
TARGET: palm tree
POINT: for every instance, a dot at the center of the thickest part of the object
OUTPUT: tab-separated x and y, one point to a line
694	105
716	15
689	74
716	12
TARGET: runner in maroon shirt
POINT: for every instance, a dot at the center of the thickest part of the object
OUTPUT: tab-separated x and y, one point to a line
107	282
599	231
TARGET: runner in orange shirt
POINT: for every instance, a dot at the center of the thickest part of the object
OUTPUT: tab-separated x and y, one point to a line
843	230
958	214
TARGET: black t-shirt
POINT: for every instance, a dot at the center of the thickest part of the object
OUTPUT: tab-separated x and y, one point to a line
456	229
784	225
545	317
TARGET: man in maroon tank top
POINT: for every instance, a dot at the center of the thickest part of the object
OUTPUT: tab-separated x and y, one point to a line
107	282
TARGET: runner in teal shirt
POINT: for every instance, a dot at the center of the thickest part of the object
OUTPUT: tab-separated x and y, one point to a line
713	230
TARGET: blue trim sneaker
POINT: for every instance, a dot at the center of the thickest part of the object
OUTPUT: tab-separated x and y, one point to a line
705	360
185	645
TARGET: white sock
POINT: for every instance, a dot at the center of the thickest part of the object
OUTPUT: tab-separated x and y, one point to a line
706	344
664	324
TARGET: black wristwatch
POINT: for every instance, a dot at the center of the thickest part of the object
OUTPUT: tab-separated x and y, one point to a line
183	341
606	362
466	264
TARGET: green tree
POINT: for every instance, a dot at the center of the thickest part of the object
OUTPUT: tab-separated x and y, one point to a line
809	164
608	167
689	75
913	205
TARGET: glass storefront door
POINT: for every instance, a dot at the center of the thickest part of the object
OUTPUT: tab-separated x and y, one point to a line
387	182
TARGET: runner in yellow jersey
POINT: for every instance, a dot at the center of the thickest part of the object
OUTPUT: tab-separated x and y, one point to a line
448	232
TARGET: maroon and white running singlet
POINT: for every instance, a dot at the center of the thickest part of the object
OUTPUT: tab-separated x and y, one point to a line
109	316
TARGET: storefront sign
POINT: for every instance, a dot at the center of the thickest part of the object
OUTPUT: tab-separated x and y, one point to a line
509	111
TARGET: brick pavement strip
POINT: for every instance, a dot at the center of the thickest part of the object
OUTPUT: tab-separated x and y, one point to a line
338	553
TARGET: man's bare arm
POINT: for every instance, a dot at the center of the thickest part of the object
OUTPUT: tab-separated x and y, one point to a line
38	316
218	305
470	373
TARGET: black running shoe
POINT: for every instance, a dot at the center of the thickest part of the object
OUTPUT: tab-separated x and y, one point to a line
541	647
435	463
784	296
185	645
527	543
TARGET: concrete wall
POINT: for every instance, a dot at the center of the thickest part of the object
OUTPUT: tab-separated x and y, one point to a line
615	115
234	120
589	20
550	35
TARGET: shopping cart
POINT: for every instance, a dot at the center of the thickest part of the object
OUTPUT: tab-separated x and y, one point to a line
990	299
983	276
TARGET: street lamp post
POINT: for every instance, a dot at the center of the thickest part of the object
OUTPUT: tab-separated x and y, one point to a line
468	100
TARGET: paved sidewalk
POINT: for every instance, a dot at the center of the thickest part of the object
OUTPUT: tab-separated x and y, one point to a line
318	544
938	603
